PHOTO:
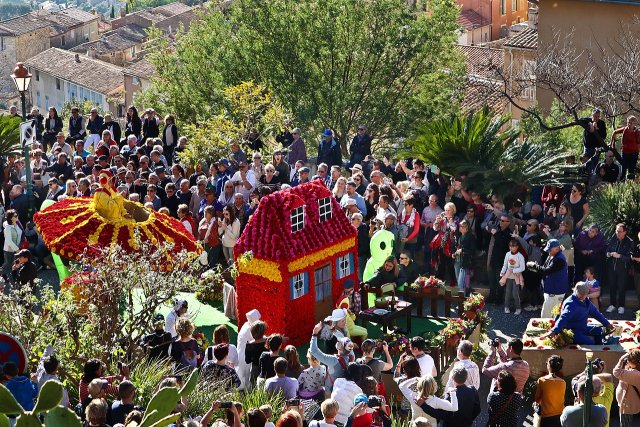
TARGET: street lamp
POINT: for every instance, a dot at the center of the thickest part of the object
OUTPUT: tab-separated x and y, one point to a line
22	78
588	392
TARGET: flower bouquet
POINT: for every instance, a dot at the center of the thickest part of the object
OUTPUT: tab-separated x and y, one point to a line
555	311
202	341
428	285
454	331
210	286
398	343
563	339
473	306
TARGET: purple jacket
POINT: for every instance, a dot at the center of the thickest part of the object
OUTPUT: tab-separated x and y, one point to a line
583	242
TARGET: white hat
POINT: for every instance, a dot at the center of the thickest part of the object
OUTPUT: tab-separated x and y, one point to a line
357	167
253	316
337	315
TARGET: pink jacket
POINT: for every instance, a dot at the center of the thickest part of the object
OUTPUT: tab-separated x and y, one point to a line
628	399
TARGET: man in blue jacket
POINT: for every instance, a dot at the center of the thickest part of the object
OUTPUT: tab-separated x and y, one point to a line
575	313
555	276
23	389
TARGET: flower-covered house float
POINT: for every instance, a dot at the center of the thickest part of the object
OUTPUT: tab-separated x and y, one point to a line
303	249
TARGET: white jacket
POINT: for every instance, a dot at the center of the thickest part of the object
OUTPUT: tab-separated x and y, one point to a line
344	392
231	233
11	241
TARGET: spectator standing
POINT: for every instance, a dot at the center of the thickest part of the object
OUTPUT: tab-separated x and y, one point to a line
113	128
504	402
268	358
52	126
589	250
48	370
427	365
280	382
364	250
630	140
297	149
329	150
218	370
134	123
221	336
77	126
184	350
618	262
23	389
465	348
463	257
550	394
579	206
311	380
150	125
509	361
555	276
498	246
360	147
595	132
468	402
95	126
229	230
512	268
122	407
628	391
572	415
169	137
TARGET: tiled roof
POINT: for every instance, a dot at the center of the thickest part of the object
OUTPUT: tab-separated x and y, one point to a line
143	69
478	93
470	19
481	61
22	24
90	73
525	39
57	21
119	39
172	9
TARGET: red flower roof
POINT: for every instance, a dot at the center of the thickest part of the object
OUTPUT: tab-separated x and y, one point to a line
268	233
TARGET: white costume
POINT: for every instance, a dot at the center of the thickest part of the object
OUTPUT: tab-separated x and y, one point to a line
244	336
170	321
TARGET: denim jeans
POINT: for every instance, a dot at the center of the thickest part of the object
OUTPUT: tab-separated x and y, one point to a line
463	276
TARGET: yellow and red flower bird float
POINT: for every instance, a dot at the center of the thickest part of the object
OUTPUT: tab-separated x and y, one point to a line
77	225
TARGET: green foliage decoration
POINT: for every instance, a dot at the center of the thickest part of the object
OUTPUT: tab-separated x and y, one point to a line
616	203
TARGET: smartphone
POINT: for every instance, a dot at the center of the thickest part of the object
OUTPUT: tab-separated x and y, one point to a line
293	402
434	168
226	405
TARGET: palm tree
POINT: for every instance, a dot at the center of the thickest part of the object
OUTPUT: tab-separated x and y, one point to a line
486	149
10	135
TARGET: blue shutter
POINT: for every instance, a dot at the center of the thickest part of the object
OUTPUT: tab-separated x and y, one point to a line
338	268
306	282
291	287
352	265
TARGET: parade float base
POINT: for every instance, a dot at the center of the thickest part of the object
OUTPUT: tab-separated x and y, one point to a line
574	355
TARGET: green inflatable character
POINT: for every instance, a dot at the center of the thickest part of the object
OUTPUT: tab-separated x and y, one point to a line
381	246
63	270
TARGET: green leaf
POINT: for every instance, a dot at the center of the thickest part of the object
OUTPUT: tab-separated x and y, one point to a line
4	421
8	404
62	417
166	420
28	419
190	384
49	396
161	405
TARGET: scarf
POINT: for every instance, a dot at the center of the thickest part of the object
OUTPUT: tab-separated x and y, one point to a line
409	222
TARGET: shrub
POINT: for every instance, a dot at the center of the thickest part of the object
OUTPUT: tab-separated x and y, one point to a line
616	203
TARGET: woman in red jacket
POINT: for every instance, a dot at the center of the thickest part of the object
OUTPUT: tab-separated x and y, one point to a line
630	140
443	244
410	218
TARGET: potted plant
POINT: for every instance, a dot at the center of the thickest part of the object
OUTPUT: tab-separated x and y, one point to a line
473	305
210	286
453	331
427	285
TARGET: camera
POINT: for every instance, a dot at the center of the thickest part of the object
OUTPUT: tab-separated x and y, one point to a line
375	402
293	402
495	343
226	405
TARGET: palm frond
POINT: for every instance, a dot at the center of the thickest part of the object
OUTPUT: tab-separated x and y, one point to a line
10	135
485	148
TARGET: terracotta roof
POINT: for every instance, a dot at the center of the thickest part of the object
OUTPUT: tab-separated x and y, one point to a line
470	19
268	233
59	21
478	93
482	60
525	39
22	24
119	39
90	73
142	68
172	9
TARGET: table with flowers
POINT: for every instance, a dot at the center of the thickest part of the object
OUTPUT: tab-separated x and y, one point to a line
433	289
537	350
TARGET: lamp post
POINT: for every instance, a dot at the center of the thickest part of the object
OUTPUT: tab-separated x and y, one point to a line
588	392
22	78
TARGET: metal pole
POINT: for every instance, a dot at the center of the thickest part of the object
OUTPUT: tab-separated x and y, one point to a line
27	163
588	394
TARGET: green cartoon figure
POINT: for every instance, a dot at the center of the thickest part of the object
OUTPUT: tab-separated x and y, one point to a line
381	246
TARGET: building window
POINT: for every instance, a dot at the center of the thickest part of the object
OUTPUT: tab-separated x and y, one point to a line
46	101
514	5
37	75
38	98
344	266
3	46
297	219
324	205
503	7
64	41
299	285
58	84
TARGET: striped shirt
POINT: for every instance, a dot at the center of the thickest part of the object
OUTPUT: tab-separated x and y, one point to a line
516	367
